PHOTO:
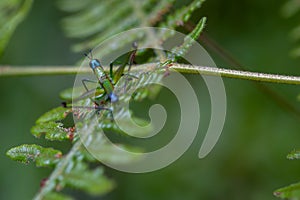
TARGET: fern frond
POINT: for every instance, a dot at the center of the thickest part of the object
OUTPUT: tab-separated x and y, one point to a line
56	114
93	22
11	14
96	25
52	131
71	170
188	41
91	181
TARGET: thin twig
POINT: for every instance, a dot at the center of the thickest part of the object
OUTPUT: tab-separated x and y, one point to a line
247	75
39	70
6	71
235	64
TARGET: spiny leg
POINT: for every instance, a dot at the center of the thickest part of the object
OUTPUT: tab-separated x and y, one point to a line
111	73
130	62
88	94
132	55
118	73
131	59
98	108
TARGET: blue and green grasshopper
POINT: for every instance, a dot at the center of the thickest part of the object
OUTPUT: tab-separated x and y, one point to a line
105	81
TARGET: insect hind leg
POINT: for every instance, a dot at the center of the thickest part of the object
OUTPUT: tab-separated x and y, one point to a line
100	108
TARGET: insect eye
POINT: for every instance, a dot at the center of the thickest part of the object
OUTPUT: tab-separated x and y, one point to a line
95	63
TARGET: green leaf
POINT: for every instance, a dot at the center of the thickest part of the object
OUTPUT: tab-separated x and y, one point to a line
295	154
91	181
12	12
289	192
56	114
56	196
180	51
52	131
43	157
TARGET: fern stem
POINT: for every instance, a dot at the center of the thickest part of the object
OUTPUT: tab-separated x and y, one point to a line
58	171
238	74
7	71
60	168
37	70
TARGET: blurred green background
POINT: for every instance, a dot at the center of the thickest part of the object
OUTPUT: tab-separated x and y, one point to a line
248	162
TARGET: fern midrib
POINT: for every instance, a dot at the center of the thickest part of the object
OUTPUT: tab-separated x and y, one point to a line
151	35
61	166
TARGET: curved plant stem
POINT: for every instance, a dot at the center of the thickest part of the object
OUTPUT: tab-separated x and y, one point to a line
58	171
60	168
184	68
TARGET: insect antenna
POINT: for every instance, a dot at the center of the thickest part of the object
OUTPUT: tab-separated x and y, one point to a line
89	55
